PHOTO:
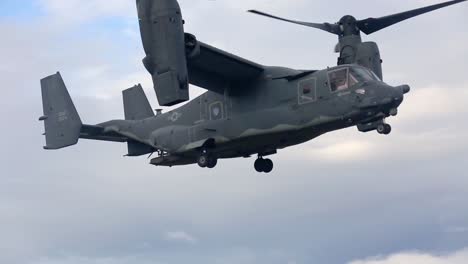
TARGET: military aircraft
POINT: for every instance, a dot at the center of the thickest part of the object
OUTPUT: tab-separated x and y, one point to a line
249	109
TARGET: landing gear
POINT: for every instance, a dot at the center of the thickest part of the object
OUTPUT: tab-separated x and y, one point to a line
384	129
258	165
380	126
207	161
263	165
203	161
212	162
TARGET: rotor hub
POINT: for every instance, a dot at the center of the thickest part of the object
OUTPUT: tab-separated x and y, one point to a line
349	26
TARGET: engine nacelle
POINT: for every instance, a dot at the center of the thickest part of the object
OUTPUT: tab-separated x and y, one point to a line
353	50
368	55
163	37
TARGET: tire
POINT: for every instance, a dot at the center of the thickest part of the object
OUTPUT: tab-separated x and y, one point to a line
259	165
387	130
203	161
268	166
381	129
212	162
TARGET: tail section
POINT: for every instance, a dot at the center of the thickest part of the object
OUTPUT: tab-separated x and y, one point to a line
61	120
136	105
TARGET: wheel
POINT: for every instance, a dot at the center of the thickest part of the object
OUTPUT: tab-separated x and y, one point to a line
381	128
203	161
384	129
387	130
267	166
263	165
212	162
259	165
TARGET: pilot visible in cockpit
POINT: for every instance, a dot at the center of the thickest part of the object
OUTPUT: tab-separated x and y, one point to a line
338	80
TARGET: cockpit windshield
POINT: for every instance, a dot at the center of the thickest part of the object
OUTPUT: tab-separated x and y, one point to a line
363	74
346	77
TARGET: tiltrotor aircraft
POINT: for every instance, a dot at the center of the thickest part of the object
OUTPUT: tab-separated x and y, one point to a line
249	109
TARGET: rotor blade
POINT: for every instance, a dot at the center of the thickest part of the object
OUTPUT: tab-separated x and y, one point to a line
332	28
371	25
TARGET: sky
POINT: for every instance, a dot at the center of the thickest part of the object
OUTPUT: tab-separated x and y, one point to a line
343	198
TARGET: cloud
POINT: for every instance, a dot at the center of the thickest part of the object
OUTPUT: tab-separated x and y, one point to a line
344	151
88	205
180	236
457	229
435	101
459	257
77	11
87	260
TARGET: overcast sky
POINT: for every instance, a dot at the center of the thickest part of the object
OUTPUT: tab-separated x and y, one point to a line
344	198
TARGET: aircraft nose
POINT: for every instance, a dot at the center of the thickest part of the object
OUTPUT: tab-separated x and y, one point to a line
399	93
384	95
404	88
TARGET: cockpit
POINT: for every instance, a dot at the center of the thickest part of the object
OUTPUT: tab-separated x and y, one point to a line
346	77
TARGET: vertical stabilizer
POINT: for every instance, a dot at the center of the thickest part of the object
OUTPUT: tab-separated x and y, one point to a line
136	105
61	120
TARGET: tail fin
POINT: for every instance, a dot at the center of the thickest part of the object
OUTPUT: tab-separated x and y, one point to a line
136	105
61	120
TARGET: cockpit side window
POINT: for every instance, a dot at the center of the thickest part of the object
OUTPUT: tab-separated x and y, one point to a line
307	91
338	79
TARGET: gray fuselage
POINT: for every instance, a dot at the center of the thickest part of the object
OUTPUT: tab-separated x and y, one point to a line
274	112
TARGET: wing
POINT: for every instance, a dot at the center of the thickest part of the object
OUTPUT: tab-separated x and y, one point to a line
215	69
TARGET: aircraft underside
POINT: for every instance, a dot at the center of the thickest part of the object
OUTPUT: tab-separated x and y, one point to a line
260	146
